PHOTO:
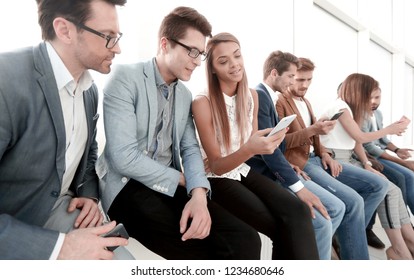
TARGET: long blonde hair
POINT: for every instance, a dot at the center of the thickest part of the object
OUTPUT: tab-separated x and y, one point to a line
218	106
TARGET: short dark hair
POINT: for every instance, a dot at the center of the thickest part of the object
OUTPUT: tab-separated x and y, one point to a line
176	23
280	61
76	10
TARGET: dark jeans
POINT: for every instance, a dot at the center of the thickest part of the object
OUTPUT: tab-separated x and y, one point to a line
153	219
271	210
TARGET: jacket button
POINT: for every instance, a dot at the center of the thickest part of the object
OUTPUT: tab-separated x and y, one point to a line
54	193
124	180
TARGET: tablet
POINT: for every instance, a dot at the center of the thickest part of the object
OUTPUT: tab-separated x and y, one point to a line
283	123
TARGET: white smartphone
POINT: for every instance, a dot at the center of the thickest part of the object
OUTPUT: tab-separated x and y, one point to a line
283	123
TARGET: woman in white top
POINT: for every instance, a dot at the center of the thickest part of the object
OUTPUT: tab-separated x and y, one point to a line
354	98
226	120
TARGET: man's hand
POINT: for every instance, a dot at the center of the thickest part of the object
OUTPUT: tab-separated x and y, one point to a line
196	209
300	172
335	166
87	244
89	216
313	202
322	127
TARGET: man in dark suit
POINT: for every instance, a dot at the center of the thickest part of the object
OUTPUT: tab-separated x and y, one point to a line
304	149
48	114
279	70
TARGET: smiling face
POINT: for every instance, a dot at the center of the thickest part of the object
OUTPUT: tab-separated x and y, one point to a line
227	62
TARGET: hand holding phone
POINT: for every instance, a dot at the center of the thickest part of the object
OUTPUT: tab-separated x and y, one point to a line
118	231
336	116
283	123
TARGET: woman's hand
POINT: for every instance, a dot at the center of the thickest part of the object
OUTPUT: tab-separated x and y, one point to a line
259	143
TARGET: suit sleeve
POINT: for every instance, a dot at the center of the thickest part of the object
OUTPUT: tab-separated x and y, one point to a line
122	149
22	241
276	162
192	159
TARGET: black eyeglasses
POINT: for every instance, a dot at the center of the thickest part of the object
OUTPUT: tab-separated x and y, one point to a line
110	41
192	52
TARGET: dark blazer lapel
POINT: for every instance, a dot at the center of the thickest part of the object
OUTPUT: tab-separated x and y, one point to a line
267	94
91	118
47	83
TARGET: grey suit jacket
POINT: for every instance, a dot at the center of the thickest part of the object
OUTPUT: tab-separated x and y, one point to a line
130	115
376	147
32	152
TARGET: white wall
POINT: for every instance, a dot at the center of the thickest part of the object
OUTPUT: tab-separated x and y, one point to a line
340	36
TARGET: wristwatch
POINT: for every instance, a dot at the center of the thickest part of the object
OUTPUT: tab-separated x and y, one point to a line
368	163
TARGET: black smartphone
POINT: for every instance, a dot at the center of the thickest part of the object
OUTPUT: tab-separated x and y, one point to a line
118	231
337	115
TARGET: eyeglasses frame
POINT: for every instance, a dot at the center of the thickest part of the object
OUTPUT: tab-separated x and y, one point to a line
203	54
108	38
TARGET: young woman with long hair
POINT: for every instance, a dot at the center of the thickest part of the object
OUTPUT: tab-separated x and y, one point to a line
226	120
354	99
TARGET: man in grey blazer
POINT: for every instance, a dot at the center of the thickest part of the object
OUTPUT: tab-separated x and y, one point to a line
48	114
152	173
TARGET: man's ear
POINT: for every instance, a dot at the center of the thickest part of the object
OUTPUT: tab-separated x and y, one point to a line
64	29
274	72
163	44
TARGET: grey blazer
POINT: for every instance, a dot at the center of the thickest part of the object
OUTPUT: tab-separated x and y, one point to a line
376	147
32	152
130	115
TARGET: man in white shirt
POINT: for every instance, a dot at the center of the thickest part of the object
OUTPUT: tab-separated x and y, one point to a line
48	113
304	149
327	210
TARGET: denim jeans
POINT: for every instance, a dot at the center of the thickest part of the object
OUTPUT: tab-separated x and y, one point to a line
325	229
403	178
361	191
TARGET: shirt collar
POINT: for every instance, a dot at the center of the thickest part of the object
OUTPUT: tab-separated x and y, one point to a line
273	94
158	78
62	74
